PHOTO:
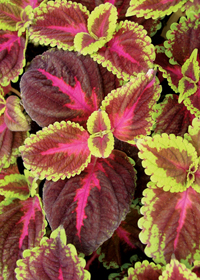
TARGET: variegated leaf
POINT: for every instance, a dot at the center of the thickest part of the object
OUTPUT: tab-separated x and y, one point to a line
58	151
60	85
22	225
101	140
53	259
12	56
130	107
170	161
170	224
57	23
10	141
93	203
144	270
9	15
128	53
13	116
154	8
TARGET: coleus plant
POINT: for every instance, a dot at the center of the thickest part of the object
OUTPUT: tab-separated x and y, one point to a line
96	100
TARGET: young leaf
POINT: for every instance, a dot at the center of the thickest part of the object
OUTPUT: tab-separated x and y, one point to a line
153	8
101	26
101	140
170	161
12	56
57	23
178	271
60	85
123	106
53	259
190	70
144	270
128	53
93	203
22	225
168	224
58	151
13	116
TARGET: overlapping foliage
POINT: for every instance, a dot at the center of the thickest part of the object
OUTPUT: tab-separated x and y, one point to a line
110	158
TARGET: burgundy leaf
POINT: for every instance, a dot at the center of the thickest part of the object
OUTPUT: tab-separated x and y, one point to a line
12	56
57	23
93	203
22	226
172	117
10	141
60	85
125	239
128	53
171	72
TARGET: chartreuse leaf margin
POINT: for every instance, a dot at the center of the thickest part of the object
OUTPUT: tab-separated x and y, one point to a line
66	263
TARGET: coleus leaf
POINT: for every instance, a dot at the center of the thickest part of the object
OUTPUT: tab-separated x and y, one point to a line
170	161
123	106
12	56
101	27
10	141
53	259
171	117
192	137
101	140
14	185
60	85
124	240
57	23
82	204
171	72
128	53
144	270
22	225
58	151
190	70
179	45
177	270
154	9
2	101
24	3
168	228
9	15
13	115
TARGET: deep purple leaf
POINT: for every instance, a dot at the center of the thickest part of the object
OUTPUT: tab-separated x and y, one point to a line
60	85
22	226
12	56
91	205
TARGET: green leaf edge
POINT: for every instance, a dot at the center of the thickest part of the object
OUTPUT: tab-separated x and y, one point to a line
13	178
119	73
57	233
43	40
149	13
113	19
5	81
168	183
55	177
